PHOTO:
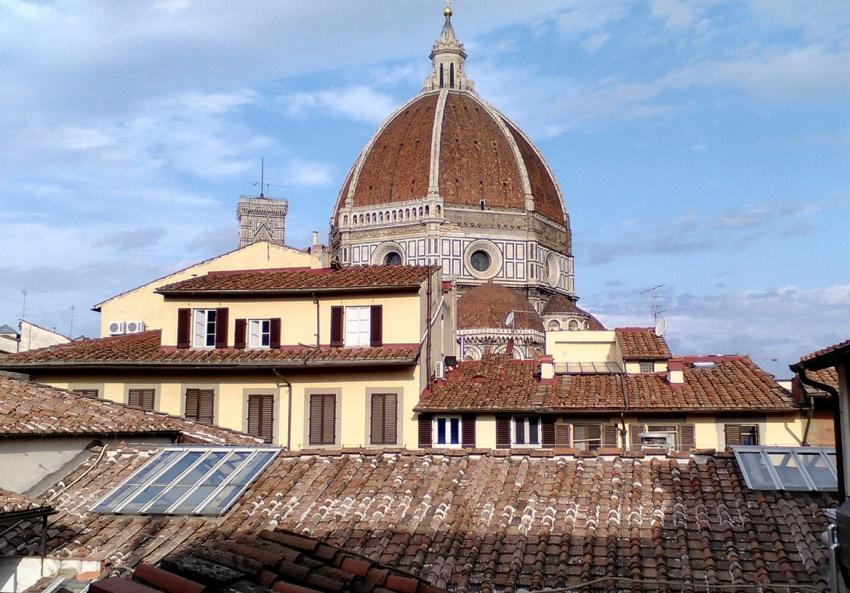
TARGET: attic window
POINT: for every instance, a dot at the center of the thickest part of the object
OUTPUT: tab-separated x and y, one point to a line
788	468
188	481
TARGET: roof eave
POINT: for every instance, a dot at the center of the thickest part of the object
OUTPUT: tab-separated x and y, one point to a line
287	291
213	365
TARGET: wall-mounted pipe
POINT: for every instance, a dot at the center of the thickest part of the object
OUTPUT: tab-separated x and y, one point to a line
283	379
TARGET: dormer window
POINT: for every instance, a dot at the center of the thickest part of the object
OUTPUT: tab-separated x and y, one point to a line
204	328
259	333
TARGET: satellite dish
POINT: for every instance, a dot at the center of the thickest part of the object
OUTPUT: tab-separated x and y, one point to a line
660	327
509	319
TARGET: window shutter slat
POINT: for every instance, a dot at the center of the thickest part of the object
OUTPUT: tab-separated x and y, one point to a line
609	435
329	420
503	432
267	423
562	434
424	431
391	419
254	412
634	435
547	428
467	434
141	398
184	327
134	398
274	333
221	328
239	332
378	421
733	434
687	436
191	411
337	319
376	335
315	419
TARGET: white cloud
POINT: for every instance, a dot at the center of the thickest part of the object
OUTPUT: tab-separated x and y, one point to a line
358	102
304	173
587	16
594	42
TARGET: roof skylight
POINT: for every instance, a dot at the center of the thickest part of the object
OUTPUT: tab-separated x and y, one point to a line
788	468
188	481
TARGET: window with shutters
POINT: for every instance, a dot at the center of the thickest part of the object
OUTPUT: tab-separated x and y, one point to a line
141	398
647	366
203	331
447	431
525	431
322	419
259	333
92	393
587	437
358	325
261	416
659	435
741	434
384	419
200	405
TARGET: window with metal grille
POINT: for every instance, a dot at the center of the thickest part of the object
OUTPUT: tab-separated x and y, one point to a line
141	398
647	366
322	419
384	419
92	393
188	481
525	431
446	431
788	468
204	328
261	416
200	405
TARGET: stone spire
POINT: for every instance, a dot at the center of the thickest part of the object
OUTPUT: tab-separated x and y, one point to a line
448	59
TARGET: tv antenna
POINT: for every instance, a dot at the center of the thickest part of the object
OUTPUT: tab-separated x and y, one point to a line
656	307
262	183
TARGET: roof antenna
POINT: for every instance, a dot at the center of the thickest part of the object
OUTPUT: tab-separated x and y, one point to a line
656	304
262	175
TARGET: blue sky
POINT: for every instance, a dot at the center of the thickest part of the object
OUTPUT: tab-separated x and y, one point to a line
703	145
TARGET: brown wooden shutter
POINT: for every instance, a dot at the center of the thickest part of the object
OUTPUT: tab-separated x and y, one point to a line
184	328
425	431
322	419
274	333
634	435
239	333
206	406
687	437
221	328
377	424
503	432
376	321
384	423
467	431
733	434
610	436
562	434
337	320
261	416
141	398
191	409
547	428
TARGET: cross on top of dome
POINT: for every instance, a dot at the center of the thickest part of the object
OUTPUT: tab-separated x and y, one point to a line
447	59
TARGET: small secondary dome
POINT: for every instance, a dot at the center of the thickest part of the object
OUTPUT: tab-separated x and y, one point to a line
488	306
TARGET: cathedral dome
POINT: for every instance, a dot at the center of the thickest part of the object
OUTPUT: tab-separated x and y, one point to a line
452	144
560	311
488	306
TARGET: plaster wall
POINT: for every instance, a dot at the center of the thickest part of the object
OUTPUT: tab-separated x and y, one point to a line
583	346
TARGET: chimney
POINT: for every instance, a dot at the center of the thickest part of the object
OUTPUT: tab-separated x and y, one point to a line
315	239
676	372
547	368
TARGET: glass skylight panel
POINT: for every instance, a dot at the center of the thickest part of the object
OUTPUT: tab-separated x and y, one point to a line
188	481
788	468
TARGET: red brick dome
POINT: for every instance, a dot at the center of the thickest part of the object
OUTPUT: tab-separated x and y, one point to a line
454	145
487	306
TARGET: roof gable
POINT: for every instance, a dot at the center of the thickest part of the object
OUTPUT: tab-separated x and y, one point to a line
641	343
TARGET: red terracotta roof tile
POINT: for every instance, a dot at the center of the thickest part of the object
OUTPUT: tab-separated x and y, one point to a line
560	304
280	281
145	349
487	306
473	522
28	408
13	502
641	343
825	357
499	382
827	376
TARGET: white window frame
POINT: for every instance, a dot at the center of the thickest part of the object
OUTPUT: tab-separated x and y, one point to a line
585	443
357	337
435	432
256	333
527	422
671	436
201	336
797	453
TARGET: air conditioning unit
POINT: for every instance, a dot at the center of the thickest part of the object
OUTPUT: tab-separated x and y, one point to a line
134	327
116	328
439	369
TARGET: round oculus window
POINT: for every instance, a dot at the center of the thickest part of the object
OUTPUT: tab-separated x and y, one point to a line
393	258
480	260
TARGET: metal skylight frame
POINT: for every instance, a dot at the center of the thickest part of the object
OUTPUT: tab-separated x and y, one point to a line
226	472
798	477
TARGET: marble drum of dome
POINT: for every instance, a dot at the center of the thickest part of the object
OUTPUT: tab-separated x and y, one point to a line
449	180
